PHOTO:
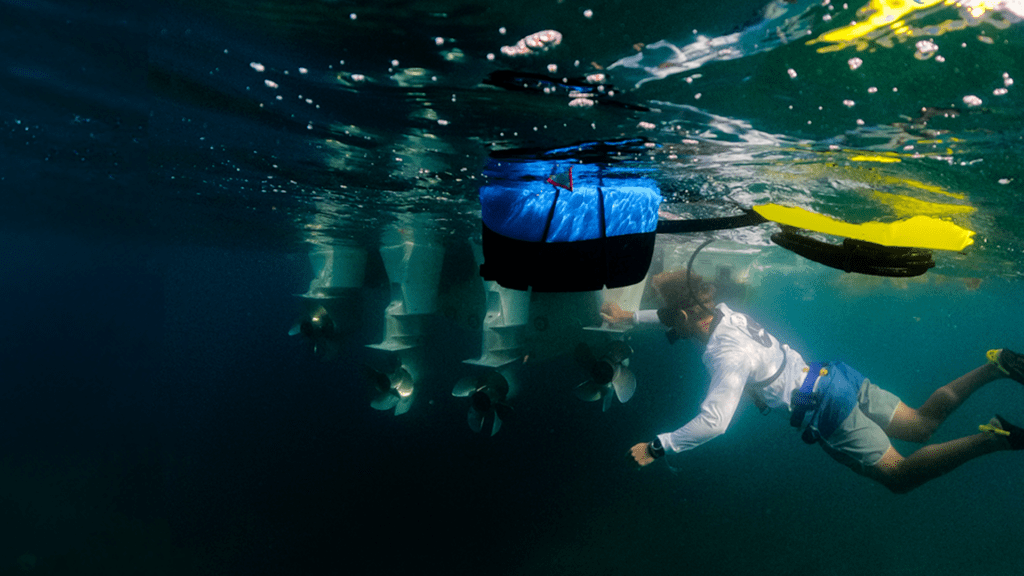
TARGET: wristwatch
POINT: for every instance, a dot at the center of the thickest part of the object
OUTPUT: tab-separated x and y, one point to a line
655	449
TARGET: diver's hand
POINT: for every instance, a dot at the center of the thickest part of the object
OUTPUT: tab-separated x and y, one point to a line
612	313
641	454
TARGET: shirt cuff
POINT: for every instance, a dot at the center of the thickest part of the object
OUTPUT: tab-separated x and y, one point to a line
646	317
666	443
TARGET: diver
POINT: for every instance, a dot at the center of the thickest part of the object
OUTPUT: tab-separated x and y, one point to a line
830	403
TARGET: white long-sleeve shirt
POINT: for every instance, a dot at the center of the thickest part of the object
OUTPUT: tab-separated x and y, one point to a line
739	351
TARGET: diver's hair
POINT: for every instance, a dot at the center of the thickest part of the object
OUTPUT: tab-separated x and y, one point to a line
683	292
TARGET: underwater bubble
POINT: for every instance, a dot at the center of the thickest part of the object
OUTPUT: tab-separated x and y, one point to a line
270	83
999	91
454	55
257	66
791	72
588	13
925	49
972	100
534	43
854	63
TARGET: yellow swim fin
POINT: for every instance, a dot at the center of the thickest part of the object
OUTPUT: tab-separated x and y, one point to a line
917	232
993	429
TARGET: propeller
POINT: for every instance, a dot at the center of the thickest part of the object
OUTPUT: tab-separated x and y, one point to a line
610	375
391	390
488	395
320	329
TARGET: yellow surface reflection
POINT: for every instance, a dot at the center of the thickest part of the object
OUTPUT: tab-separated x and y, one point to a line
882	21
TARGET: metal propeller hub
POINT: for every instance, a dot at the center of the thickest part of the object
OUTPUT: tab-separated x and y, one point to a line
602	372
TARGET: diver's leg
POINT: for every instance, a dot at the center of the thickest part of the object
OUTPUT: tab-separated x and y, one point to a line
862	444
901	475
917	425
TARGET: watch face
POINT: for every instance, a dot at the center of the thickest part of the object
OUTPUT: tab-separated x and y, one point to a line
655	448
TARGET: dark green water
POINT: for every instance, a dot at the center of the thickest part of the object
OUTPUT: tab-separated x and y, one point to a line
166	170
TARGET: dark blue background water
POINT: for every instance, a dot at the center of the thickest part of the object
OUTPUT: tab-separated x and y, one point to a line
157	208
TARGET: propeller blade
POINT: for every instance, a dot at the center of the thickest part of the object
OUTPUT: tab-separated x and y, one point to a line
504	411
475	420
401	381
384	400
465	387
589	391
497	383
295	330
624	384
378	380
403	405
496	425
481	402
607	402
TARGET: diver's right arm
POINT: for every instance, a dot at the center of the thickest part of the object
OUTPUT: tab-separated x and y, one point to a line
612	313
645	453
716	412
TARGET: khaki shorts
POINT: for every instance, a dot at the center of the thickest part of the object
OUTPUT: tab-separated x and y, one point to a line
861	441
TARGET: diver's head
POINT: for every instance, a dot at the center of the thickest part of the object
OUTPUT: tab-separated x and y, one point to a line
689	302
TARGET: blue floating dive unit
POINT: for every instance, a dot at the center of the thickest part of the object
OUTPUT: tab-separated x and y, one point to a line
830	404
558	225
804	399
